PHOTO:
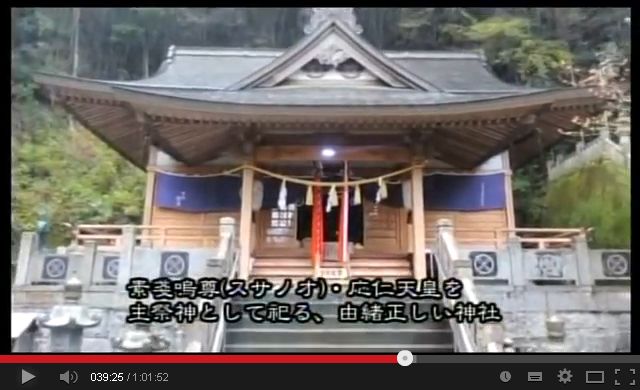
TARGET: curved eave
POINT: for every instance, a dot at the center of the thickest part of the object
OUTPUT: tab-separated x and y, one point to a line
112	112
560	97
114	121
114	91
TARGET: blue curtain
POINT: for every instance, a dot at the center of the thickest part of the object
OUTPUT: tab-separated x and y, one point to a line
464	192
198	194
222	193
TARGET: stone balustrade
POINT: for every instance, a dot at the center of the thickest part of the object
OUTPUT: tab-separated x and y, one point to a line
585	289
41	286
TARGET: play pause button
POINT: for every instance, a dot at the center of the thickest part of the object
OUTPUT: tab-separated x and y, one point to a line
26	377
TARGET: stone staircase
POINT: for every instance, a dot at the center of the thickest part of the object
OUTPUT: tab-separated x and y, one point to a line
333	336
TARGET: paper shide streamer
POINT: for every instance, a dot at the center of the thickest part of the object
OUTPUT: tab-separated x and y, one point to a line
333	199
382	191
282	197
357	196
309	197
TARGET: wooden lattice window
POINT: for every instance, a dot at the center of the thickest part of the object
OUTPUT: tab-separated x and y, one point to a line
281	228
282	218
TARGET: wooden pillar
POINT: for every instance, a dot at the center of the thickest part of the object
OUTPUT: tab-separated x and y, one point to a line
244	238
151	188
508	177
417	213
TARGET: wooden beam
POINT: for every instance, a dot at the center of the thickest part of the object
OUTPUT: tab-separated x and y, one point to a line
417	214
344	138
342	153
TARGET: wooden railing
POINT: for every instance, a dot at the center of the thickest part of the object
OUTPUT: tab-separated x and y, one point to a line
110	236
537	238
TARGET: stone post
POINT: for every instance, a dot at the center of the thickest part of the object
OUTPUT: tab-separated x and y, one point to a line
28	249
179	344
127	251
445	225
227	237
583	260
459	267
66	322
88	263
516	260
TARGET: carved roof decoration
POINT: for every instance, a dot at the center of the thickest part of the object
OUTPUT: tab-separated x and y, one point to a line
323	15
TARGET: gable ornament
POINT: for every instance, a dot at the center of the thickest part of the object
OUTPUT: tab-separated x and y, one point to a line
319	16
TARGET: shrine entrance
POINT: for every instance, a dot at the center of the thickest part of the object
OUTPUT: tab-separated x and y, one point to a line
372	229
331	223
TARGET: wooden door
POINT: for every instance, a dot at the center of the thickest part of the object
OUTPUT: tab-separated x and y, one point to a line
276	232
385	229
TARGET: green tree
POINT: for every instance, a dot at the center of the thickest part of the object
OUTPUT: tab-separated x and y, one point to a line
598	196
514	50
76	178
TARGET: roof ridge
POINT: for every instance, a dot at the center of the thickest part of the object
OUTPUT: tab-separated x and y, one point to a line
321	32
264	51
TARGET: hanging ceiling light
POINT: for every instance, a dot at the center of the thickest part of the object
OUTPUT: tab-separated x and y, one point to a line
328	152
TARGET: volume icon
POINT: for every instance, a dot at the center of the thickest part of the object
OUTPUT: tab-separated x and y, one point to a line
69	377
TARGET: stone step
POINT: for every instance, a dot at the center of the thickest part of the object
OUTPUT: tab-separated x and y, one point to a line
330	299
280	280
330	306
339	348
303	272
354	263
362	335
331	321
370	273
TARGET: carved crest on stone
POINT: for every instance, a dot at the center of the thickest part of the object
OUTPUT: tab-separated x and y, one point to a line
332	55
550	265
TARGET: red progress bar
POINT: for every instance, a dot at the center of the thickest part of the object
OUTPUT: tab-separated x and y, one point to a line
181	358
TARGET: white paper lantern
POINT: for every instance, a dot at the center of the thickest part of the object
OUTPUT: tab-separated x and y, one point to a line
258	195
406	194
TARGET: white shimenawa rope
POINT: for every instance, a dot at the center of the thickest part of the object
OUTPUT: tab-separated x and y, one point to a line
354	183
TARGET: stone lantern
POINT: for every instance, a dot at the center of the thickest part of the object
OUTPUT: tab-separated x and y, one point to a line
140	339
509	345
555	328
66	322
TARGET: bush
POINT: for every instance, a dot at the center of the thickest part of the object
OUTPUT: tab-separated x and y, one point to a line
599	196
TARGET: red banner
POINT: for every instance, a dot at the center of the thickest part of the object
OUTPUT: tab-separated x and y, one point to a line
343	239
317	231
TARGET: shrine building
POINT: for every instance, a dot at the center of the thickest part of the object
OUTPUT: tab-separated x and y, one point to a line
330	155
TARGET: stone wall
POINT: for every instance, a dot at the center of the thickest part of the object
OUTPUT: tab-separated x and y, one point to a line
588	290
594	320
